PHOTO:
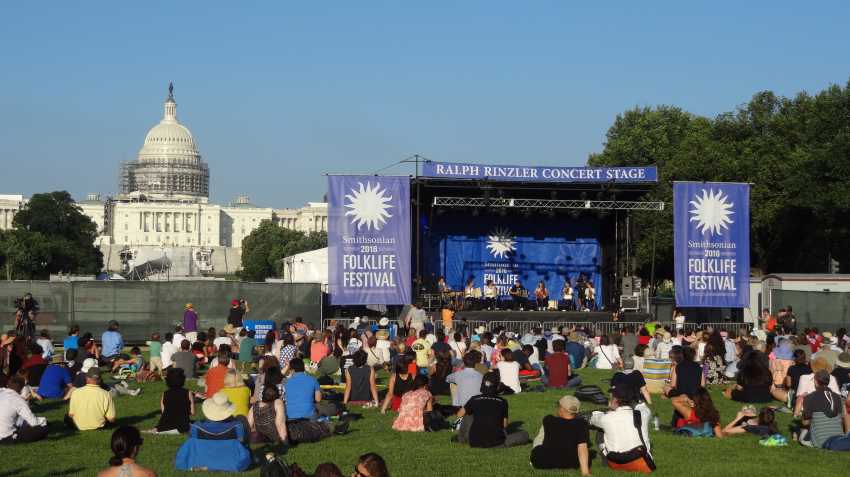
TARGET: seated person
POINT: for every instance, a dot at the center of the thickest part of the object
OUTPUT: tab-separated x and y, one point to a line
237	393
754	380
466	380
558	370
126	444
133	364
634	380
91	406
185	359
562	441
697	411
485	418
521	356
176	404
400	381
762	424
214	379
624	432
328	367
686	375
17	422
56	380
216	443
414	404
508	373
360	384
302	393
806	383
824	413
267	419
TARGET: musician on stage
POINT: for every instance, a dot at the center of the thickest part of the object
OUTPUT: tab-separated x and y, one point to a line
542	296
519	295
471	295
590	296
491	294
567	296
444	290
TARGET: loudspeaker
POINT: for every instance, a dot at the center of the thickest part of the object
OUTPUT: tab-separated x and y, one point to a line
626	287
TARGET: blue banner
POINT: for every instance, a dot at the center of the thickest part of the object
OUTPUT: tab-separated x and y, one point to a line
711	237
369	240
259	327
504	250
451	170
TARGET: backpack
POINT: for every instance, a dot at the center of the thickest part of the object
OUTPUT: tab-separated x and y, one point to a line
591	393
705	430
276	467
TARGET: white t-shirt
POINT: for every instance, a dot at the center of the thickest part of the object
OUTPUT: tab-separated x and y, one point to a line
608	355
487	351
509	374
178	339
680	322
222	340
807	385
168	350
458	348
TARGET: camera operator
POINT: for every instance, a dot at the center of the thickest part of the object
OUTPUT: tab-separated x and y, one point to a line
26	311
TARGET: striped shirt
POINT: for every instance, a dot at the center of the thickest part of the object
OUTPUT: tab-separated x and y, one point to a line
825	411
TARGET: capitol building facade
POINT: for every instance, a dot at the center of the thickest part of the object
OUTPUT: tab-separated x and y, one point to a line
162	209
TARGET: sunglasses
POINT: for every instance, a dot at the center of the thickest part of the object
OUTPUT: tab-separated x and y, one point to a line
357	472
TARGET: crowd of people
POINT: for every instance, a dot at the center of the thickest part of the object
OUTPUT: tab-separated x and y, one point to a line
298	384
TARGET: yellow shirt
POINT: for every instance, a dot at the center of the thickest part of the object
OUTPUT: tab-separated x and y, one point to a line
91	407
239	397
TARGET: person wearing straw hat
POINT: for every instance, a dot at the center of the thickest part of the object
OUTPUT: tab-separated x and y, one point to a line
841	372
562	442
190	323
217	442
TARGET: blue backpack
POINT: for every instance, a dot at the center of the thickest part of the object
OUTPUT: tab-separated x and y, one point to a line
214	446
705	430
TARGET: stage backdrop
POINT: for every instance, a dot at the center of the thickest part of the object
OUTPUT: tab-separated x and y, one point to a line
503	249
369	240
711	236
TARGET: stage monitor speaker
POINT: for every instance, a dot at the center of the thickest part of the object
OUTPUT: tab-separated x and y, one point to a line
629	302
626	287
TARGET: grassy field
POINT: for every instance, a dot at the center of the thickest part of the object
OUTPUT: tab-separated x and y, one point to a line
67	453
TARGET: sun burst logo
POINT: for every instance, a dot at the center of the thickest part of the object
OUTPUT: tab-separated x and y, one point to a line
368	206
501	242
711	212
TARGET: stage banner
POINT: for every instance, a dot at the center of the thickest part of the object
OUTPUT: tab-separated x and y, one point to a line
452	170
369	240
711	236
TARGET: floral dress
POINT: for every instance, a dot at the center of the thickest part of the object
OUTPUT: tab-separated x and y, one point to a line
411	412
713	369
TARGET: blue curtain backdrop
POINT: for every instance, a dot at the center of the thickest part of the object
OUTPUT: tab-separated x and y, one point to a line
548	249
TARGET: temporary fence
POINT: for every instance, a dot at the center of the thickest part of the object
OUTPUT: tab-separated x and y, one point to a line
144	307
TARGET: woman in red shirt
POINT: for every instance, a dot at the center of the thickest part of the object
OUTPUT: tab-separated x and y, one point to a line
697	411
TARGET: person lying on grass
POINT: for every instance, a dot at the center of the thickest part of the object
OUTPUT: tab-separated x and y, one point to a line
748	421
698	410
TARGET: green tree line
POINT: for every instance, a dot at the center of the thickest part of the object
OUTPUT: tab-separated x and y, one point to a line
265	247
794	151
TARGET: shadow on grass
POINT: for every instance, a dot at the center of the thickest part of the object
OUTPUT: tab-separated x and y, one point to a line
133	420
10	473
48	405
69	471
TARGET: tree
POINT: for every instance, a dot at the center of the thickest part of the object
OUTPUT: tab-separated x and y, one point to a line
268	244
50	235
794	151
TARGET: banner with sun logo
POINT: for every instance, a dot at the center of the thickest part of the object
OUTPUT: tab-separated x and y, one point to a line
369	240
711	235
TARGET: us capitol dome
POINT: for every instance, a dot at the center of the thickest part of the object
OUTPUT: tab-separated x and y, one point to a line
169	165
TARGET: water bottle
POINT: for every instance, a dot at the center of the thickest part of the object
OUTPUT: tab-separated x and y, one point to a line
656	425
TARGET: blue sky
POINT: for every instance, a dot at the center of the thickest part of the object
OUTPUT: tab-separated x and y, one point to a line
278	93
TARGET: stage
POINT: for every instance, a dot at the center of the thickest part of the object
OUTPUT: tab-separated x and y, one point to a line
547	316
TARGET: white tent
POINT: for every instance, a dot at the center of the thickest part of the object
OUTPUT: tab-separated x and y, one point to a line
307	267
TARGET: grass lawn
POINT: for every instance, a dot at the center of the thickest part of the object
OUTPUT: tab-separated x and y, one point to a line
67	453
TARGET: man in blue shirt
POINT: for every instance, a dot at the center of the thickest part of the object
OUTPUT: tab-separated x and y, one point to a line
55	381
111	341
302	393
575	350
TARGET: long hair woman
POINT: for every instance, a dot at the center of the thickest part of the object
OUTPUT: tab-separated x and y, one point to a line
126	444
698	410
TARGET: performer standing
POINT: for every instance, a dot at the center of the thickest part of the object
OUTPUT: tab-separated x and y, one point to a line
491	294
567	296
541	295
589	296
